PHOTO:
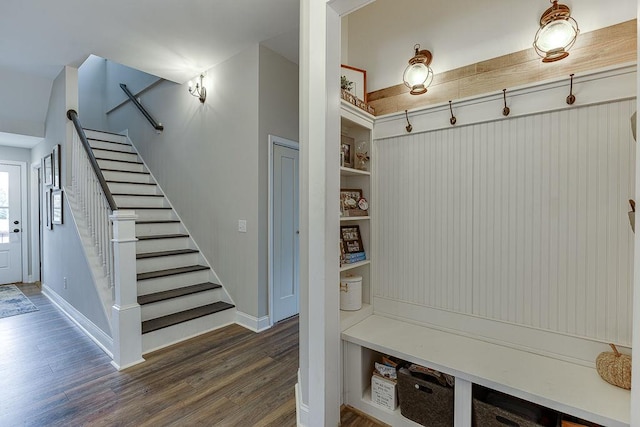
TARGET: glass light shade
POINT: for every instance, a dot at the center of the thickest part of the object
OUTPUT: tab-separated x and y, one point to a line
557	33
417	77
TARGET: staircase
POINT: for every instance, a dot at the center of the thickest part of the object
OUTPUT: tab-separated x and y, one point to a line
177	290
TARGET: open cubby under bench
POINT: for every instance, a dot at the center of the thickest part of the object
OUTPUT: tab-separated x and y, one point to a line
560	385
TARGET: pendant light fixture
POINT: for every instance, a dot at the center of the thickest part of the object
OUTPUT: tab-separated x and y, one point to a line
557	33
418	75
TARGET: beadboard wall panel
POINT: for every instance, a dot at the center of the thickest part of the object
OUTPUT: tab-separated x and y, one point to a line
522	220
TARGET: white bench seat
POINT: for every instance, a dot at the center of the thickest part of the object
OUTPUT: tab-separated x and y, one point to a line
563	386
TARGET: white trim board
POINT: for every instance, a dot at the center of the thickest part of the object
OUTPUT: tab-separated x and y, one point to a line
97	335
253	323
594	87
302	410
34	208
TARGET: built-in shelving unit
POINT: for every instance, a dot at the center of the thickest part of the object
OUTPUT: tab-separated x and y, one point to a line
357	125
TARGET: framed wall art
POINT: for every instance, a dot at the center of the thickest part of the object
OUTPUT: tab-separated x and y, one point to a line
352	241
55	168
47	170
357	79
56	207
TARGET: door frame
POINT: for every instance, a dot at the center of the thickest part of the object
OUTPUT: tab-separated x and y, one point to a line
24	209
36	226
283	142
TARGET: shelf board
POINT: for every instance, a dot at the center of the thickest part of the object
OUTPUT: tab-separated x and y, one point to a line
353	172
354	218
350	318
347	267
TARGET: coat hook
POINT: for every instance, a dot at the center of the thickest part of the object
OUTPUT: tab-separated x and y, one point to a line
409	128
452	120
571	98
505	110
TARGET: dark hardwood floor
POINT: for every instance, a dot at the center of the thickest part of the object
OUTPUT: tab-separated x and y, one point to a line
51	374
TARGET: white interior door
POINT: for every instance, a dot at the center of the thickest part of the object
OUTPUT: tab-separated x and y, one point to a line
286	282
10	224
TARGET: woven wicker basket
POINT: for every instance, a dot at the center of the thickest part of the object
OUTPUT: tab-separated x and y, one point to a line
425	402
487	415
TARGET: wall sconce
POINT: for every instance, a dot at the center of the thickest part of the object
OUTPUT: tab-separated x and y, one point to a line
198	90
418	75
557	33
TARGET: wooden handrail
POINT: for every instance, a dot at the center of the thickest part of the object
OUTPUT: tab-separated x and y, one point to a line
73	116
157	126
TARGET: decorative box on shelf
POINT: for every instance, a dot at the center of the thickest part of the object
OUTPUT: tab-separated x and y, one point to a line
352	99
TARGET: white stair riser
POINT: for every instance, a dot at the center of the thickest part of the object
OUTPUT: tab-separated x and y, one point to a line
104	154
156	245
106	136
120	166
125	148
141	201
155	214
162	263
176	333
175	305
159	228
127	188
167	283
126	176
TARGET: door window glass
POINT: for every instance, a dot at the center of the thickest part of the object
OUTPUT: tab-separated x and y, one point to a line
4	207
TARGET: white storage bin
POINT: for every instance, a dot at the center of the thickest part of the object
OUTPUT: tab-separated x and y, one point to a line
351	293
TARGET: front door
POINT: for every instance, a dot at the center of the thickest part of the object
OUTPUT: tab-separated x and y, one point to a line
286	282
10	226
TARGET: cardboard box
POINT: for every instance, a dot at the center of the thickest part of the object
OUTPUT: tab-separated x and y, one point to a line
384	392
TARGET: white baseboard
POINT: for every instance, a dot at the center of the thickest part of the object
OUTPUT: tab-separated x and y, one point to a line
252	323
97	335
302	410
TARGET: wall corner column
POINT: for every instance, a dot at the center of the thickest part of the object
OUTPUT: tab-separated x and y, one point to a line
126	318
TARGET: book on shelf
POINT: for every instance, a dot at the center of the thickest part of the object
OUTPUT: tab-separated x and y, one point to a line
353	258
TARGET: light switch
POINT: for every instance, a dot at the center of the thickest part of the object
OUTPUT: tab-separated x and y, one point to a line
242	225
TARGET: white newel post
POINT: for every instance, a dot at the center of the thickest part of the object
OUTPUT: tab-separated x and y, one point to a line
126	316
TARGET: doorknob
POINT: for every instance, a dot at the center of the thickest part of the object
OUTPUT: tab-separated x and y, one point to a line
16	222
16	230
297	231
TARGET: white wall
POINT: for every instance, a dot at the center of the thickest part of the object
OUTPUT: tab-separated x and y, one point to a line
62	251
136	81
29	94
91	93
206	161
519	220
278	115
458	32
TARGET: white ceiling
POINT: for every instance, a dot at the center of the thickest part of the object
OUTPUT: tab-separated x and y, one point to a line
173	39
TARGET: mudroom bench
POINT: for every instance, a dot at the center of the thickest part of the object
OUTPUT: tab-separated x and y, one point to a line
563	386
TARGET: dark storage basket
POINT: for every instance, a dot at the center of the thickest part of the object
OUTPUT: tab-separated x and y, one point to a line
425	402
487	415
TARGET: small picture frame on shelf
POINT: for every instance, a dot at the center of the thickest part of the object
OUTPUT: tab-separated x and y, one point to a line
56	207
55	168
47	169
351	238
347	151
350	203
